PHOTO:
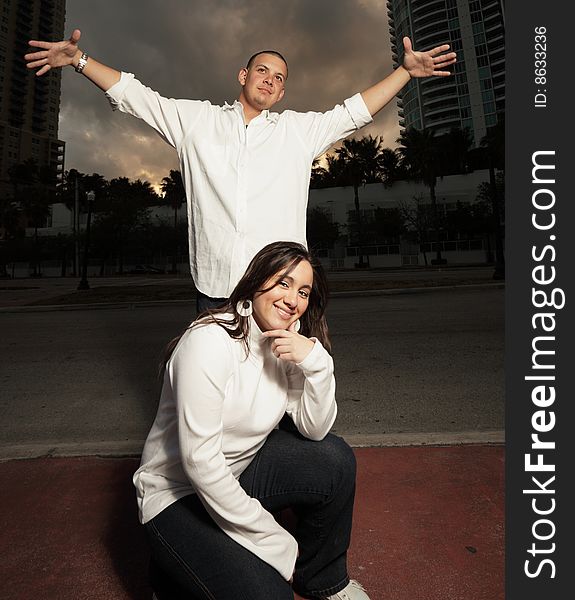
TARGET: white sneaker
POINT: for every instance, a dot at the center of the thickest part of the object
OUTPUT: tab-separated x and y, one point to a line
352	591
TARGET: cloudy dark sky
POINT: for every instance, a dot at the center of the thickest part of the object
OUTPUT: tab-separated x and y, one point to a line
194	49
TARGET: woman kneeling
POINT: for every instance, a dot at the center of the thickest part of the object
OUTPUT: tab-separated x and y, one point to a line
215	465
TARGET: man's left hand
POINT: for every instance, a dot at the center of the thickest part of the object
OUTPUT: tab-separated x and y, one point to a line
426	64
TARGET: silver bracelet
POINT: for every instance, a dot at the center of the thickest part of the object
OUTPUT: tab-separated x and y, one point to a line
81	63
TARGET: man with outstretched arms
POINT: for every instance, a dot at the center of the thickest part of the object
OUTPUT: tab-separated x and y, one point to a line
246	170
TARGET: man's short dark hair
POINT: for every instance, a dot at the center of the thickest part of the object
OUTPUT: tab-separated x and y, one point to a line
274	52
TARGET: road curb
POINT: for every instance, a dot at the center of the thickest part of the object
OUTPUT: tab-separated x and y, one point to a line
415	290
133	448
155	303
444	438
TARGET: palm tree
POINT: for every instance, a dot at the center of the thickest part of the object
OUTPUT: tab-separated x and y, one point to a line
456	146
421	153
175	194
121	212
390	166
35	192
358	162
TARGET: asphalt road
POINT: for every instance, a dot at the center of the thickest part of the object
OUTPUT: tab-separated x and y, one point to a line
84	381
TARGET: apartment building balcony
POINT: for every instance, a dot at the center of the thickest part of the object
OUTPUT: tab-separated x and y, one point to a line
426	7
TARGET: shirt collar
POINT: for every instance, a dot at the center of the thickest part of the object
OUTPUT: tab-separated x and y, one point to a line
237	105
266	114
259	345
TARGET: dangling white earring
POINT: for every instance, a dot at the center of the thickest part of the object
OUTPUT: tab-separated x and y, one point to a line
296	325
244	308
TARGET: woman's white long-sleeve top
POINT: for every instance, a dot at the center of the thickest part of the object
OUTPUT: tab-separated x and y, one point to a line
216	409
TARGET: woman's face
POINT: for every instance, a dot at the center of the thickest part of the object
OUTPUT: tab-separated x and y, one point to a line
286	301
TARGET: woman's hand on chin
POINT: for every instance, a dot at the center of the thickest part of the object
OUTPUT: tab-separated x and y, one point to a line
289	345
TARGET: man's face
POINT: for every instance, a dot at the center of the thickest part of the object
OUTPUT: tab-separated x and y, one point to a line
264	82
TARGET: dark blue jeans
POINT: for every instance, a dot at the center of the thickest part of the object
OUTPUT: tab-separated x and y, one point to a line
192	558
204	302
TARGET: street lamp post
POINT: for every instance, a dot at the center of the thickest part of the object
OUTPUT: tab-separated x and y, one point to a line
84	285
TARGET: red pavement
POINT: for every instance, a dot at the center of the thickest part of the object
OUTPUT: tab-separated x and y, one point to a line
429	525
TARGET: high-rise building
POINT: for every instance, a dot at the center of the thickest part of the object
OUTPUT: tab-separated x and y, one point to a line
474	95
29	105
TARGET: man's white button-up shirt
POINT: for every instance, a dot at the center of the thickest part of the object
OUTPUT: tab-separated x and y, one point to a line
245	186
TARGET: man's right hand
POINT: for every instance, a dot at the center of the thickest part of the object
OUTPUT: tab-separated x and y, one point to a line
53	54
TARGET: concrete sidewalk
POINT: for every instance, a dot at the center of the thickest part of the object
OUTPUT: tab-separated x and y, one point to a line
60	293
429	525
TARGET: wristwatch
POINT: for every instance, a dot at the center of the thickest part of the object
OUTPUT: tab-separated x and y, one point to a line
81	63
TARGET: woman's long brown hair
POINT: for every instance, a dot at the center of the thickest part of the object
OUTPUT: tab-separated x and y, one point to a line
268	266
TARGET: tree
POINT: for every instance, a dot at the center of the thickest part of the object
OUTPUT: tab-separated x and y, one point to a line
321	231
160	238
119	213
388	225
34	191
319	175
10	218
358	163
469	220
174	194
59	247
455	148
72	193
421	155
10	229
418	220
485	209
82	183
493	145
390	166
